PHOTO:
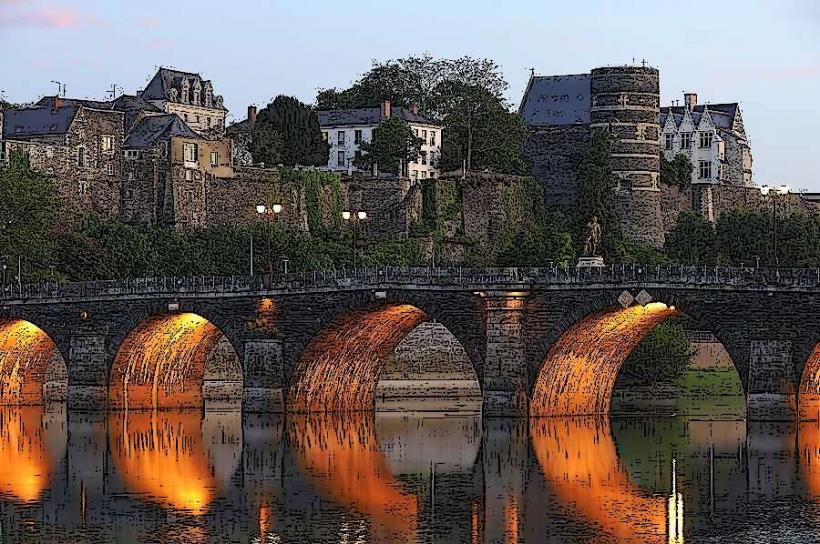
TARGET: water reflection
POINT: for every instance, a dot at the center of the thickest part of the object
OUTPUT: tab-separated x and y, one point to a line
188	477
177	459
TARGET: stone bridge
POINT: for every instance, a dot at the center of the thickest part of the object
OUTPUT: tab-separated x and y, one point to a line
546	341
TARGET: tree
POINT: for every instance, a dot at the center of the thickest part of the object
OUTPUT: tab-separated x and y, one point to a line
287	132
478	129
393	143
743	237
596	195
677	172
661	357
28	212
691	240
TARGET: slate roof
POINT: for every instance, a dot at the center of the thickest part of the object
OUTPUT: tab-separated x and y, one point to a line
368	116
131	106
153	128
165	79
557	100
23	123
723	115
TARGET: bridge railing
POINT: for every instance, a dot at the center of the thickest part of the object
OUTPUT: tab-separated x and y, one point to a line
702	276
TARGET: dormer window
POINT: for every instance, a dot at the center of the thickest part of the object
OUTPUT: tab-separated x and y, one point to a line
669	140
686	140
705	140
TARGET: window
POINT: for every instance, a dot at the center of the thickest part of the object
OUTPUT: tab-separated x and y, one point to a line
669	140
432	137
416	131
357	137
432	158
107	144
189	174
214	158
185	116
132	154
705	140
424	135
686	140
208	121
704	169
341	159
197	118
415	174
130	176
109	169
190	152
49	152
432	175
423	174
423	156
82	187
81	156
163	150
340	137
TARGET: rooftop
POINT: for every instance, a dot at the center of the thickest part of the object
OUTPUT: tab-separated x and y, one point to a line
368	116
557	100
150	129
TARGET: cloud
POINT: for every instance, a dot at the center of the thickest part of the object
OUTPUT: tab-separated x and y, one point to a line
148	22
42	16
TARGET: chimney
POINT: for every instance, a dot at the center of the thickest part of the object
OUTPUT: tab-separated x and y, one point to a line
58	102
691	100
251	116
414	108
387	109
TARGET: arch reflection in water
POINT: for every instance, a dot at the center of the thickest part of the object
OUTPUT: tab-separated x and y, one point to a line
579	371
578	459
180	460
809	399
342	458
32	441
809	445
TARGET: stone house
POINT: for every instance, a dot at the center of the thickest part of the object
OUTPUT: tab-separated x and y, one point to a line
78	142
189	96
166	165
345	130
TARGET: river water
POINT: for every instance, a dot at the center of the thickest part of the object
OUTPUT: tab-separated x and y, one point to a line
189	477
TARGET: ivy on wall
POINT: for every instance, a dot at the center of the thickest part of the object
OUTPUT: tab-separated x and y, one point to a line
323	197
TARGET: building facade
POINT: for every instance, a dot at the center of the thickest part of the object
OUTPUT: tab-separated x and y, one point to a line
189	96
345	130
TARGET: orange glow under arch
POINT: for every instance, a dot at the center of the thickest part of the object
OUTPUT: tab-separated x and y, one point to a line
161	363
808	439
342	457
809	399
579	371
578	459
24	354
162	456
340	368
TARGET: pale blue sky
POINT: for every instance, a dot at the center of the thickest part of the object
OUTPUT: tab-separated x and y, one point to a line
764	54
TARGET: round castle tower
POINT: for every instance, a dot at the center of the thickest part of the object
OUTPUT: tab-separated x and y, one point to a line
626	102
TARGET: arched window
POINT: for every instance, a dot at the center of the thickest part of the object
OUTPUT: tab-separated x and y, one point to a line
81	156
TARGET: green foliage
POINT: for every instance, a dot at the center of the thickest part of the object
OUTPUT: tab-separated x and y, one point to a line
393	253
596	196
744	236
662	356
691	240
393	143
479	129
677	172
640	253
28	212
323	197
287	132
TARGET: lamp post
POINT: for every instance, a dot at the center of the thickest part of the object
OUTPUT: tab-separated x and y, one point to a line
272	212
354	218
771	194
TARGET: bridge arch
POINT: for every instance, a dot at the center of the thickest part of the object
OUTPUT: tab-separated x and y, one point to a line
32	369
588	346
808	400
174	360
339	368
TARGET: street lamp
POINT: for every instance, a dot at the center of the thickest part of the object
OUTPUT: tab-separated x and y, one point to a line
771	194
354	218
272	212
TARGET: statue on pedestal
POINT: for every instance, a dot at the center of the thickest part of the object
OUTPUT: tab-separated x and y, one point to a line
592	246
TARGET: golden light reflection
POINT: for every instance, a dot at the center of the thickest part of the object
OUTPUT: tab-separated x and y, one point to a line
24	353
25	464
580	369
809	445
340	368
343	459
809	399
161	363
162	455
578	459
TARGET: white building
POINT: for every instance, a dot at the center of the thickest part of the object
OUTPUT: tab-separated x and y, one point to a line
345	130
712	136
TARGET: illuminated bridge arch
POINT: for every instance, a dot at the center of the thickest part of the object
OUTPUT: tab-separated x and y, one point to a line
809	393
340	367
577	374
32	370
177	360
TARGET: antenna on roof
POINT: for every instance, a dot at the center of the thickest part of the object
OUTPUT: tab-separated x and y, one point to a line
113	90
532	71
59	84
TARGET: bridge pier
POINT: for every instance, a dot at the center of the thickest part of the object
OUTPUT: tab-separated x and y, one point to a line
88	367
505	366
771	394
263	390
